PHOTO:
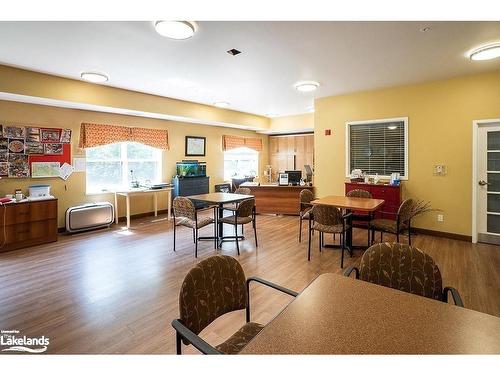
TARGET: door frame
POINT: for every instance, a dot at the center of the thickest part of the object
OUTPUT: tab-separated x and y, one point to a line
475	127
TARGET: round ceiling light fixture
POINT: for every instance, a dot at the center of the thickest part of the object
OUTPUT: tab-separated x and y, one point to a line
489	52
178	30
94	77
221	104
306	86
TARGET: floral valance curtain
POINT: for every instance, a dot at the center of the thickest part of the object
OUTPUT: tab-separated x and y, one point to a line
92	135
230	142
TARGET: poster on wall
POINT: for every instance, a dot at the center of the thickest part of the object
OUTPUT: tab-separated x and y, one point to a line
32	134
18	166
53	149
16	146
34	148
4	169
65	136
18	132
45	169
50	135
1	130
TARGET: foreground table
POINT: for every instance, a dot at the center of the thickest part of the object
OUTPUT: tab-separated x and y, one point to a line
219	199
134	192
369	205
340	315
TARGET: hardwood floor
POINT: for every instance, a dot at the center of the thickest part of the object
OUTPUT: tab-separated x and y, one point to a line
116	290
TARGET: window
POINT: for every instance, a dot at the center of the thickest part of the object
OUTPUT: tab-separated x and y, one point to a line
113	167
378	147
240	162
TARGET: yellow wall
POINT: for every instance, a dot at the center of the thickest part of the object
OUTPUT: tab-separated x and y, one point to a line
72	191
440	132
290	124
24	82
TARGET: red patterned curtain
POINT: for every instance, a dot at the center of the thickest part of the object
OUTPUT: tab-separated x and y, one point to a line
92	135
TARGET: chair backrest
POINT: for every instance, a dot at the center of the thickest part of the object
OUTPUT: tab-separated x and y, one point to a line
327	215
358	193
402	267
306	196
405	211
212	288
184	207
245	208
243	190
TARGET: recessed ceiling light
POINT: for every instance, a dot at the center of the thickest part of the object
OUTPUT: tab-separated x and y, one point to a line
425	29
175	29
221	104
392	127
94	77
306	86
488	52
310	109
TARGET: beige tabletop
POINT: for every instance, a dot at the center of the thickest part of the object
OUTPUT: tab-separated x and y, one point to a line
220	198
340	315
351	203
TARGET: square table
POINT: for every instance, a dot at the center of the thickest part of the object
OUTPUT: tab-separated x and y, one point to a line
220	199
369	205
340	315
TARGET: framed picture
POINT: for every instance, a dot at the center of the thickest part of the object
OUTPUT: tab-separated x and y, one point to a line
32	134
66	136
45	169
53	149
16	146
50	135
34	148
18	166
17	132
195	146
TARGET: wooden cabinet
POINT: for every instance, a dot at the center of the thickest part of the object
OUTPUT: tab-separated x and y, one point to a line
291	153
28	224
390	194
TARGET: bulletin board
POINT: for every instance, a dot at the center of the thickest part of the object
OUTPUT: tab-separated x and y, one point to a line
21	146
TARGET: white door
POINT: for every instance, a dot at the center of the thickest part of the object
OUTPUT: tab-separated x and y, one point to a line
488	183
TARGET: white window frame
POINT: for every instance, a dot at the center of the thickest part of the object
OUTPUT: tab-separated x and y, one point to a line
377	121
124	163
257	153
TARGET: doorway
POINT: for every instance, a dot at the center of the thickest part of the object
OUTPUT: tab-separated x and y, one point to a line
486	182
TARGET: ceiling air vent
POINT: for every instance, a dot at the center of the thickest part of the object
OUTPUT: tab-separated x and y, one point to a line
233	52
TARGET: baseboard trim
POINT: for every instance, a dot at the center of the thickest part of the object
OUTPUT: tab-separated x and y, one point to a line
436	233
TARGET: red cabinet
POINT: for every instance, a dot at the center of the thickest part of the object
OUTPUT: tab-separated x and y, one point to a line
390	194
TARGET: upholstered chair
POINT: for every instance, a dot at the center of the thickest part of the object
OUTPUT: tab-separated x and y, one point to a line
305	198
405	268
214	287
186	215
400	225
244	214
243	190
361	217
328	219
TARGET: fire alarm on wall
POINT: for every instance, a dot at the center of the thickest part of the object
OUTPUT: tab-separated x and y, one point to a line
328	131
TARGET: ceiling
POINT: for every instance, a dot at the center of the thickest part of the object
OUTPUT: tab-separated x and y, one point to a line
343	56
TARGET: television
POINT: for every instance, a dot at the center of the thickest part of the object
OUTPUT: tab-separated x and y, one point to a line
294	177
191	168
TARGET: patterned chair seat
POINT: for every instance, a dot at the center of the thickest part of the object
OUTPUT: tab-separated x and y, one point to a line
202	222
329	228
239	220
240	339
387	225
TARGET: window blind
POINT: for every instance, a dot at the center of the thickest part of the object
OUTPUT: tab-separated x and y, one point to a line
378	148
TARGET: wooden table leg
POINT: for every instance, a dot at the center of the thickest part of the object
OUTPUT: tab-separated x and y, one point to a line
128	211
169	203
116	208
156	203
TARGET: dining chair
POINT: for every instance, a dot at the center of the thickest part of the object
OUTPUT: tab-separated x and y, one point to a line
305	198
243	214
406	268
362	217
398	226
328	219
212	288
186	215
